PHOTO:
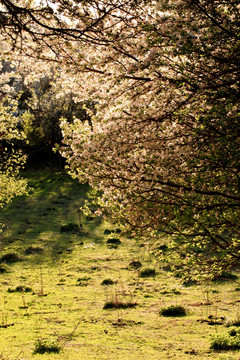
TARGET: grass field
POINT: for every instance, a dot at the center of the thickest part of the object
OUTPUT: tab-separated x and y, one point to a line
70	293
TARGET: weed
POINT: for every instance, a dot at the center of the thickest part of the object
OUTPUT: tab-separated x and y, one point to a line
44	346
148	273
173	310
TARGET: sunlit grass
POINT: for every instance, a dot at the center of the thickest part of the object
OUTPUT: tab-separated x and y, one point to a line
66	276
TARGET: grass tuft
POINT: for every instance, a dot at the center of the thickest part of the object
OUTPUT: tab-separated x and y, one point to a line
135	264
173	310
20	289
10	258
44	346
113	241
107	282
4	268
32	250
226	342
70	228
148	273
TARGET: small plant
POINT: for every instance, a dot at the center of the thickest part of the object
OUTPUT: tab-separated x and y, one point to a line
107	282
173	310
148	273
44	346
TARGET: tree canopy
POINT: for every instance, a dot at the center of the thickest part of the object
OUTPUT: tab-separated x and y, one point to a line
162	148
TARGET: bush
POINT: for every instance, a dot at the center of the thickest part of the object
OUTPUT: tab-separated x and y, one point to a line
173	310
44	346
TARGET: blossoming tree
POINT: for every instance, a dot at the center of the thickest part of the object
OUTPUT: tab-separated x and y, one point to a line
162	147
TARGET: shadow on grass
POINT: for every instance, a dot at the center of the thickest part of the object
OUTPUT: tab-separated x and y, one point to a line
37	221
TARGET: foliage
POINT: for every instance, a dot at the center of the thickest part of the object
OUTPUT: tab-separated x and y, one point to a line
11	160
163	145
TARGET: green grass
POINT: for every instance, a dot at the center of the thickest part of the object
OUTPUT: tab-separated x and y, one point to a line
66	271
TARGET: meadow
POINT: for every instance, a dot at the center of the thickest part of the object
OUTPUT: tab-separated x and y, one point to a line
73	288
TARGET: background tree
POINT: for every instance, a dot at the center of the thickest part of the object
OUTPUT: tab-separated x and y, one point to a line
163	146
11	160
